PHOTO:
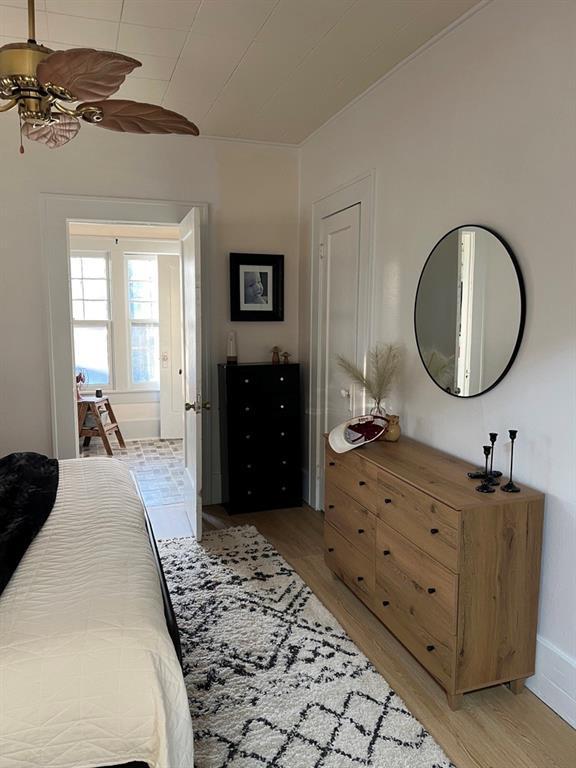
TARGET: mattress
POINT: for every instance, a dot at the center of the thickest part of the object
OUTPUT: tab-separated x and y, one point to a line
88	673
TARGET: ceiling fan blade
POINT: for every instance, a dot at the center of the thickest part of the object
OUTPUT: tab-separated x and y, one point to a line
54	135
85	72
135	117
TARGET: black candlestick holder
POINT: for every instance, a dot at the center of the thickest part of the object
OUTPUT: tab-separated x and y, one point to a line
486	486
511	486
493	474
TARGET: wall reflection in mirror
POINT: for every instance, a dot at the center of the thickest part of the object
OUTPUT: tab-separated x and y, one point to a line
470	309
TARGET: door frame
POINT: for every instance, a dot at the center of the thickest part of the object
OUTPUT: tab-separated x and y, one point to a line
56	212
359	191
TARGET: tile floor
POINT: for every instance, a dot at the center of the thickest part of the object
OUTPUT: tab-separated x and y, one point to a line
158	466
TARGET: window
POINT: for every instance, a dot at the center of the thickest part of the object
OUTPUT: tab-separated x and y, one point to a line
91	316
144	319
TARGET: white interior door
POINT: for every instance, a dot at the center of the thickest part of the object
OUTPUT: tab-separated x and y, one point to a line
192	336
340	247
171	348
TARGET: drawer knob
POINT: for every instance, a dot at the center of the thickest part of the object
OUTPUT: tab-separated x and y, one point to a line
246	381
361	482
386	552
385	603
360	578
387	501
431	590
330	506
430	648
330	549
360	530
331	463
434	531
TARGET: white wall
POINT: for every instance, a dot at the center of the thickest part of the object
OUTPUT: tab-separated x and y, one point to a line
480	128
252	192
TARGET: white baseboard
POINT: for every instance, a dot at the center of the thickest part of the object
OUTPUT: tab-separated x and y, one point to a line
555	680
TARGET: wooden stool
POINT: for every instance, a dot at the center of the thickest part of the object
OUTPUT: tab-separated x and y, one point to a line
96	406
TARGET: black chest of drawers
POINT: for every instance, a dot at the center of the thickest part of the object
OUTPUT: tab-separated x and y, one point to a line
260	440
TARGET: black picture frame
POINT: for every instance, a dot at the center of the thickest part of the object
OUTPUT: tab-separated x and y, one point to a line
256	295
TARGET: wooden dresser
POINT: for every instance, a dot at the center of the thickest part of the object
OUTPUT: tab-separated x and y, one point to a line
260	443
452	573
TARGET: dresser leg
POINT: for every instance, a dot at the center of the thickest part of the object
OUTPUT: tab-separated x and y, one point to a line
454	700
517	686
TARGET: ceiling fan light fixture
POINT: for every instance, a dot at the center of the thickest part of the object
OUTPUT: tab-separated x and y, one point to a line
46	86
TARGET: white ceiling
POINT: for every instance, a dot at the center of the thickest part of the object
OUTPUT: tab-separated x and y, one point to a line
269	70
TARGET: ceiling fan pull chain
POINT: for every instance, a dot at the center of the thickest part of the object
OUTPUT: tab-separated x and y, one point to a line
21	142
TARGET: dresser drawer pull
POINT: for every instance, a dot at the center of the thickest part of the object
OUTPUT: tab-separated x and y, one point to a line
387	501
385	603
430	648
246	381
330	549
386	552
361	482
360	578
434	531
360	530
431	590
331	463
330	506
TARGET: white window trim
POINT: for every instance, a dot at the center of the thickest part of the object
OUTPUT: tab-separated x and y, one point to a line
99	253
150	385
119	346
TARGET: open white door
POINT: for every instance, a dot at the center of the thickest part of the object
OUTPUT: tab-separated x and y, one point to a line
192	336
171	349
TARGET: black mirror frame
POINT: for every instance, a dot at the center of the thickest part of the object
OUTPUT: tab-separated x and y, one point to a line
521	325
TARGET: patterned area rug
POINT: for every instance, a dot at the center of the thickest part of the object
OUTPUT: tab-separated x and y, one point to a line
273	680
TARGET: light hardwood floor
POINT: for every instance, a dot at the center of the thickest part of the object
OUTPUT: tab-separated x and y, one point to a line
494	728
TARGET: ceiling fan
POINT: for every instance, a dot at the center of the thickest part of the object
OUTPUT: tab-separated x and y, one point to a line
54	90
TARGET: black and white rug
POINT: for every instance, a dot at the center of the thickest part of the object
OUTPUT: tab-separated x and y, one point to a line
273	680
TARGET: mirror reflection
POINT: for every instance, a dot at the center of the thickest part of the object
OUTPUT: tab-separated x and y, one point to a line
469	312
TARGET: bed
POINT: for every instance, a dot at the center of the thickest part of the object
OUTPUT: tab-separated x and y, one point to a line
89	671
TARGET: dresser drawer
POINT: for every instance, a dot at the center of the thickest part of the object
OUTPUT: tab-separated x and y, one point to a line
354	568
428	589
431	525
246	381
434	650
351	519
350	473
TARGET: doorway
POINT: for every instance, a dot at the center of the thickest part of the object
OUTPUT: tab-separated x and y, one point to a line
341	295
125	283
139	347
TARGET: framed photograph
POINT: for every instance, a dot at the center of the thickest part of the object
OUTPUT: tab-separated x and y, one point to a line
256	287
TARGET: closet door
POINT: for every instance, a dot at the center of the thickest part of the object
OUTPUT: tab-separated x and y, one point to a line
340	257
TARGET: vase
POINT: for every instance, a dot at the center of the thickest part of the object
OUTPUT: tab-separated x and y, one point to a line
393	432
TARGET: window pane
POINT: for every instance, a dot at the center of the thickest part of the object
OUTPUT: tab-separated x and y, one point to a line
77	289
78	310
95	310
143	310
94	266
91	353
95	289
141	290
145	353
142	269
76	267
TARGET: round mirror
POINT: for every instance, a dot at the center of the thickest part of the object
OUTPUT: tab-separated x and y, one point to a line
469	312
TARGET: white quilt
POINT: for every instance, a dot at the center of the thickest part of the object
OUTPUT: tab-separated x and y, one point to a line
88	672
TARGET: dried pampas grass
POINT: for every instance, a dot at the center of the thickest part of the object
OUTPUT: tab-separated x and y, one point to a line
383	361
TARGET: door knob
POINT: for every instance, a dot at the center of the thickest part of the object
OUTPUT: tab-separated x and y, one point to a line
190	406
207	405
